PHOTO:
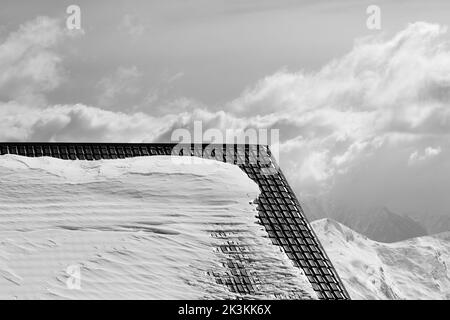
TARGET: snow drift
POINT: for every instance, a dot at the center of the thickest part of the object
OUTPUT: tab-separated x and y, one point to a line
136	228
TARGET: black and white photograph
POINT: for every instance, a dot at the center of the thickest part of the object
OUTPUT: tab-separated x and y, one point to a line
225	150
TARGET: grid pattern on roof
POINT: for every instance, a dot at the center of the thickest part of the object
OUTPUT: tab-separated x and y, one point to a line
279	211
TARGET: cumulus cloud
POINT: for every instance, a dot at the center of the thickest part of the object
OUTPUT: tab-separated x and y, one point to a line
31	66
78	123
28	65
350	129
428	153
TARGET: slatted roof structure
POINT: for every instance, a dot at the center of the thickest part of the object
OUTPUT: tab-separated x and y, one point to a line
279	210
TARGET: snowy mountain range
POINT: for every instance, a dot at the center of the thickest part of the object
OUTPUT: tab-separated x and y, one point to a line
434	223
417	268
381	224
377	223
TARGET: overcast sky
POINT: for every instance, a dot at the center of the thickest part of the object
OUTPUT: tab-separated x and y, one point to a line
363	114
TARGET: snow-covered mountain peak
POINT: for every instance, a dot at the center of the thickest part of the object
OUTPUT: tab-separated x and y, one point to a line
417	268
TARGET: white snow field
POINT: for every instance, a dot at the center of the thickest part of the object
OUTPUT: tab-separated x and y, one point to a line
139	228
418	268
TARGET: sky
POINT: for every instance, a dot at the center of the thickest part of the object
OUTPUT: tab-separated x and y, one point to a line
363	115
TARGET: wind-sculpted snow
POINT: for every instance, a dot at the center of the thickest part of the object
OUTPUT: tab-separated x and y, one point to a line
418	268
141	228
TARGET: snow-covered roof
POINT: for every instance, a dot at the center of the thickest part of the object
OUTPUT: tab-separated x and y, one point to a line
131	190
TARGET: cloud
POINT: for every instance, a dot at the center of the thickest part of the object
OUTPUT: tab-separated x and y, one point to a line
347	131
29	66
349	128
428	153
78	123
131	26
123	83
123	90
172	78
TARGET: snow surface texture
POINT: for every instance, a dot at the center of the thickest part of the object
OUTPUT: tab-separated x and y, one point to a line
139	228
418	268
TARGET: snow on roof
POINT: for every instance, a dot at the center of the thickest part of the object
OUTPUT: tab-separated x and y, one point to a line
152	228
